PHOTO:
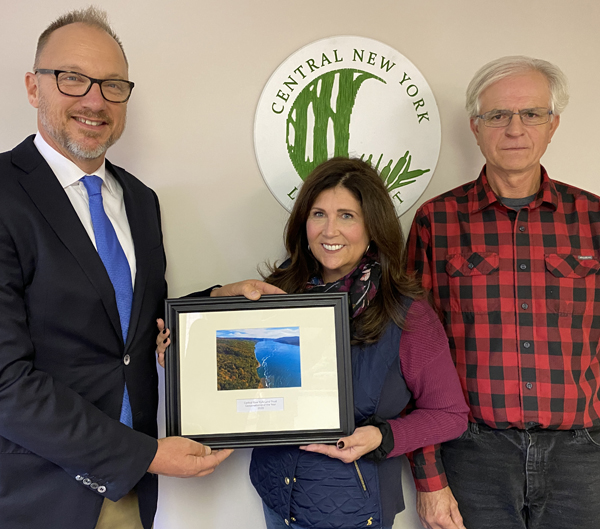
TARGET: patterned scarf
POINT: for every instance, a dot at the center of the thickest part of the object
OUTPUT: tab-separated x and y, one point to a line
361	284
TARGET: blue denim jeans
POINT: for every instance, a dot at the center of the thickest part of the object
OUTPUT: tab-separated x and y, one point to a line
274	521
520	479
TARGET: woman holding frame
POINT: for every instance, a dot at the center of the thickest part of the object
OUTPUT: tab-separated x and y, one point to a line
343	236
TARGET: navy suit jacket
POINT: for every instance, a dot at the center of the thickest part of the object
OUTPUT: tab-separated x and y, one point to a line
62	356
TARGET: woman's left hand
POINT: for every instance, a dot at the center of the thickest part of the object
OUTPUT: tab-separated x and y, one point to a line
364	440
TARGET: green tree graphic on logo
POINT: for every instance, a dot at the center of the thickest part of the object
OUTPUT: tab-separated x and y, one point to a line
398	176
317	96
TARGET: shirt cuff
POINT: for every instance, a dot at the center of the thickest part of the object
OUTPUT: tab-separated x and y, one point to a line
387	438
427	468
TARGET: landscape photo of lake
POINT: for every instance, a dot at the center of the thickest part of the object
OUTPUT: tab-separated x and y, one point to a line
266	357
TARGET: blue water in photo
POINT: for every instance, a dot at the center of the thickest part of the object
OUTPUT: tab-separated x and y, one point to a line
280	363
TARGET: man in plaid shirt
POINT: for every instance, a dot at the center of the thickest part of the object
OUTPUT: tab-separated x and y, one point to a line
512	260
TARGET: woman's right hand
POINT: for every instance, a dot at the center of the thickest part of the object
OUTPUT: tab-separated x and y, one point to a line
162	341
365	439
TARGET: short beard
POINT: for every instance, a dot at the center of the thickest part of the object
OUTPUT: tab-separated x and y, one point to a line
78	151
74	148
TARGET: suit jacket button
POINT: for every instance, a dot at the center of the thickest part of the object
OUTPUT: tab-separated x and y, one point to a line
94	486
101	489
126	360
79	478
87	481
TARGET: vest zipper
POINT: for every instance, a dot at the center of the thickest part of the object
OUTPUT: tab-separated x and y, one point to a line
362	481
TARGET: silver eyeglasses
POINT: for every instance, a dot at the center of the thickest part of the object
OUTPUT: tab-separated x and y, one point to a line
529	116
77	85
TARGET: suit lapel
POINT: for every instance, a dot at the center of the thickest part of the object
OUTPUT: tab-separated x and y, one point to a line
44	189
138	225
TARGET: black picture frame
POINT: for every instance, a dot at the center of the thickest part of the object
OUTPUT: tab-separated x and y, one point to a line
319	410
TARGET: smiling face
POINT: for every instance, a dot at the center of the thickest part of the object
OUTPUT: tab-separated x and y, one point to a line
513	153
80	128
336	232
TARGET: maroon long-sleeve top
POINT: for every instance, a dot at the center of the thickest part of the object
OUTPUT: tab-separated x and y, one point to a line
440	411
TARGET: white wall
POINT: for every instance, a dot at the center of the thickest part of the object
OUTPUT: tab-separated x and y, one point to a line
199	68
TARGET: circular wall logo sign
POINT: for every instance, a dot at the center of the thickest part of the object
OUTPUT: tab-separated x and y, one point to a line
347	96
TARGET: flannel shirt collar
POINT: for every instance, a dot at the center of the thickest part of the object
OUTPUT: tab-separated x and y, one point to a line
482	195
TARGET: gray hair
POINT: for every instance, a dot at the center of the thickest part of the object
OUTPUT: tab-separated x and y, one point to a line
92	16
505	67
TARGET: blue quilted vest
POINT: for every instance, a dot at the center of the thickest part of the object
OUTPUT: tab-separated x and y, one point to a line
318	492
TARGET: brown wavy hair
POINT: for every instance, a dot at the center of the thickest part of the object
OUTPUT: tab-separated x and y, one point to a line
384	231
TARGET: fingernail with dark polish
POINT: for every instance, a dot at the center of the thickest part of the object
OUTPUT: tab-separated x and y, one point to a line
340	444
164	331
165	340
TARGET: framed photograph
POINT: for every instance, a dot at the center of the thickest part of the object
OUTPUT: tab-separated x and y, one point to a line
243	373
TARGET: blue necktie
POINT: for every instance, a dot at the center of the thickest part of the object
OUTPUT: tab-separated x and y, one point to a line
116	264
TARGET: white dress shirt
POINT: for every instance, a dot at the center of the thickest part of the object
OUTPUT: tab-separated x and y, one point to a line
69	176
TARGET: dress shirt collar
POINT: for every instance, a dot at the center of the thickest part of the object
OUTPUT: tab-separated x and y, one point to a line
482	195
64	169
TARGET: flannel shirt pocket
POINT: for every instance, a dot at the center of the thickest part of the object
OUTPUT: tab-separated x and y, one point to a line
472	277
475	264
571	283
572	266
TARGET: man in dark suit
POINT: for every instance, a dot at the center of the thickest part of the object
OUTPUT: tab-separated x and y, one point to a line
78	383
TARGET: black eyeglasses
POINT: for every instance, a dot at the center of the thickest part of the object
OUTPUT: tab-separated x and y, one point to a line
77	85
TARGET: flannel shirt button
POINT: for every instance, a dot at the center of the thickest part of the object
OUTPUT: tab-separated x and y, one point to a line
529	385
471	266
521	228
523	267
524	306
527	345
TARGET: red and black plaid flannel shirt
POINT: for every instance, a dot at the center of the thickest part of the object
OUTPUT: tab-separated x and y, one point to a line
520	297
